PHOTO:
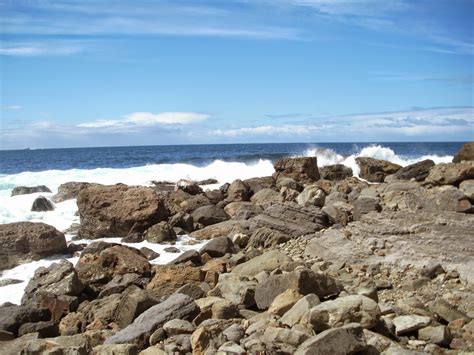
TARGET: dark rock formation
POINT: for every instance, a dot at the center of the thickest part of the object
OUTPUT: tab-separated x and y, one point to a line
25	190
299	169
375	170
42	204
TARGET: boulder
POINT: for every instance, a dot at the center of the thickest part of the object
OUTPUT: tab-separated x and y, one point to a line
268	261
289	183
284	301
311	196
44	329
103	265
12	317
178	326
300	310
115	349
238	191
335	172
348	339
303	281
242	210
237	289
282	340
266	238
256	184
339	212
227	228
409	323
70	190
466	153
60	279
191	187
345	310
436	335
160	232
117	211
364	205
182	220
177	306
451	173
193	203
375	170
467	188
304	169
418	171
210	214
42	204
218	247
22	242
292	220
190	255
168	278
266	196
26	190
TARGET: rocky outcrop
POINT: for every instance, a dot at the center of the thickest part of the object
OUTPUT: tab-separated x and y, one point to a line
238	191
418	171
160	232
21	242
210	214
26	190
375	170
466	153
70	190
451	173
303	169
335	172
42	204
117	211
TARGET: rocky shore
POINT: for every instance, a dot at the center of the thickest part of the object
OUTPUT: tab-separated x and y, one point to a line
306	261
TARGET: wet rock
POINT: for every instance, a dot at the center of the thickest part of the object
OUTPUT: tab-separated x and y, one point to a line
418	171
190	255
311	196
133	238
303	169
191	187
375	170
348	339
409	323
335	172
159	233
344	310
182	220
149	253
177	306
266	262
218	247
238	191
6	282
210	214
26	190
291	220
101	266
303	281
59	279
466	153
266	238
117	211
22	242
42	204
451	173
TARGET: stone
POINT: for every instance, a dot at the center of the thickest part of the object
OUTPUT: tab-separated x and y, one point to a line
267	238
289	183
149	253
348	339
188	186
177	306
224	310
300	310
339	212
168	278
210	214
227	228
436	335
375	170
133	238
266	196
102	266
159	233
193	203
467	188
238	191
364	205
183	220
178	326
218	247
72	323
236	289
335	172
192	290
345	310
44	329
466	153
447	311
231	348
191	255
242	210
284	301
418	171
276	337
451	173
409	323
12	317
303	281
26	190
118	210
311	196
115	349
304	169
70	190
6	336
59	279
234	333
291	220
22	242
42	204
268	261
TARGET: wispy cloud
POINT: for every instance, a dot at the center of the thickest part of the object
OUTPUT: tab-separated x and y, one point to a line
285	115
467	79
146	119
11	107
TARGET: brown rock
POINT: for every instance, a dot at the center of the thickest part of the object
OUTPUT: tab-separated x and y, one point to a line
451	173
160	232
168	278
300	169
375	170
238	191
466	153
335	172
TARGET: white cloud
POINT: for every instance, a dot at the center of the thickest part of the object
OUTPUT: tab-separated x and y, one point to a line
12	107
147	119
29	49
267	130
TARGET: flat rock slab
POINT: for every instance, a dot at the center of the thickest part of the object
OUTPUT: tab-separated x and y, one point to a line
406	324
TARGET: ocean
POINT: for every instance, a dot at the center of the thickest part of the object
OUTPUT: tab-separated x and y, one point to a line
140	165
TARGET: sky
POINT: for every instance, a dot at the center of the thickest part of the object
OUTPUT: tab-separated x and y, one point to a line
76	73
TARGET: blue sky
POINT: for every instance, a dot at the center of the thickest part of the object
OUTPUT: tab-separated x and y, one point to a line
97	73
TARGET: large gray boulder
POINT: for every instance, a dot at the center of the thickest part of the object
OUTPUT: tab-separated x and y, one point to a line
418	171
210	214
451	173
176	306
22	242
117	211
